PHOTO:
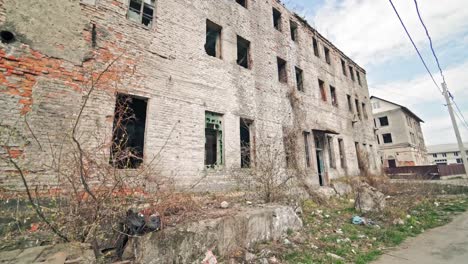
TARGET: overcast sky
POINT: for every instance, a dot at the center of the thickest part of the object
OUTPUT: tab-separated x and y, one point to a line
370	33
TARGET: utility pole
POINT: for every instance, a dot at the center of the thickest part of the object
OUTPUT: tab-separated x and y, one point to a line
455	127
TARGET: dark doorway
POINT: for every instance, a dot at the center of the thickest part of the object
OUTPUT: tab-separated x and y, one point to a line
211	148
245	144
392	163
128	132
319	157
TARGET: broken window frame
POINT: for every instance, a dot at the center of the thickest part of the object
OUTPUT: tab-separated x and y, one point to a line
243	3
246	148
243	52
277	19
351	73
214	127
294	29
323	93
343	67
299	79
387	138
217	30
334	97
326	51
316	47
282	70
308	162
141	14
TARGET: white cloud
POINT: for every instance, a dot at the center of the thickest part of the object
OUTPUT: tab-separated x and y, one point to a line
369	31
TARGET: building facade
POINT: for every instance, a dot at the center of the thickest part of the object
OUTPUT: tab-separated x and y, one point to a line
399	135
445	154
209	84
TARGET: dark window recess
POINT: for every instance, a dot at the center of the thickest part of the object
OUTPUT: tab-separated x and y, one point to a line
213	139
378	139
358	109
351	73
277	19
245	143
316	47
358	78
383	121
343	67
350	103
243	52
242	3
334	98
331	152
213	39
128	132
392	163
141	11
307	149
327	55
7	36
293	27
93	36
282	72
299	79
323	93
342	153
364	111
387	138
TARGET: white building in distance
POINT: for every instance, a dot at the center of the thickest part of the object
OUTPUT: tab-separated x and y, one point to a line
445	154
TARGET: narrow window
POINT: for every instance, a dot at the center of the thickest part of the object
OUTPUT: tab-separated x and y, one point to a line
213	139
128	132
243	52
307	149
434	155
358	110
327	55
293	27
383	121
213	39
455	153
299	79
444	155
316	47
277	19
358	78
387	138
342	153
334	98
364	111
331	153
343	67
323	94
350	103
245	142
351	73
378	139
242	3
282	72
141	11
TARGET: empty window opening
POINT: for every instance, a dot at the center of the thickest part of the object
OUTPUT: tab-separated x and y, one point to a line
342	153
93	36
141	11
350	103
331	152
343	67
358	78
242	3
358	110
316	47
378	139
392	163
245	143
243	52
213	39
351	73
307	148
334	98
294	31
282	71
327	55
383	121
323	93
387	138
213	139
7	37
277	19
299	79
364	111
128	132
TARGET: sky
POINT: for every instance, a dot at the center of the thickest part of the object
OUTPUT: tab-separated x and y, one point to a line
369	32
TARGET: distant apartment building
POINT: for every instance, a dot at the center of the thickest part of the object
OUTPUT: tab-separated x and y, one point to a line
445	154
399	135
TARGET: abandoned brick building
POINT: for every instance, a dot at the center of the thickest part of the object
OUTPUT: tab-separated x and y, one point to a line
209	82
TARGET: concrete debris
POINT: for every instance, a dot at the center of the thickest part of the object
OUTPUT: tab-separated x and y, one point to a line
341	188
398	221
334	256
225	205
369	199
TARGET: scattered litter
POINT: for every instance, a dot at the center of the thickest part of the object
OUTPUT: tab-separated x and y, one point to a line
210	258
339	231
398	221
224	205
334	256
357	220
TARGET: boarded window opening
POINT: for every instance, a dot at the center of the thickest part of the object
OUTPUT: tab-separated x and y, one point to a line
128	132
350	103
327	55
342	153
307	148
316	47
242	3
387	138
245	142
334	98
213	39
243	52
358	110
282	72
277	19
351	73
323	93
141	11
294	31
343	67
299	79
213	139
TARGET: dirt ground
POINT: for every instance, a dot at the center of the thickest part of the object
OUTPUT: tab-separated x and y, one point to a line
447	244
